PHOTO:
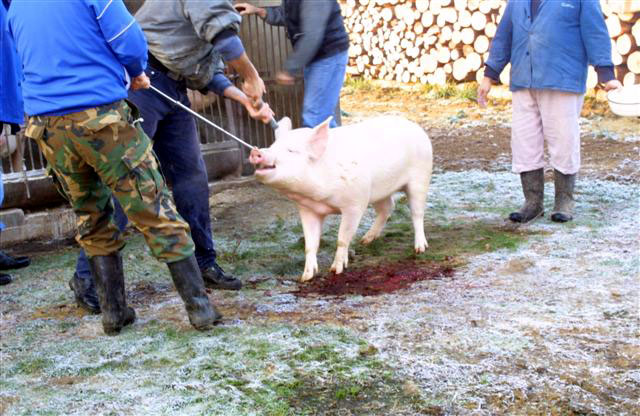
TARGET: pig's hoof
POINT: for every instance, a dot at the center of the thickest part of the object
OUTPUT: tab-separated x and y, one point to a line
421	248
368	238
338	267
310	269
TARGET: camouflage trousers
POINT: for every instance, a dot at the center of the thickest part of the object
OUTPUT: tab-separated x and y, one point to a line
100	152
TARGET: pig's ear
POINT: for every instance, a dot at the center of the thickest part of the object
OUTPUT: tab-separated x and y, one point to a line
284	126
319	138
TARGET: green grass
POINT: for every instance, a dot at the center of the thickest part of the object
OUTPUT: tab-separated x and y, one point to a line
359	84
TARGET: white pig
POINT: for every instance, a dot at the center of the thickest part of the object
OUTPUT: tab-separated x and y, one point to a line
341	171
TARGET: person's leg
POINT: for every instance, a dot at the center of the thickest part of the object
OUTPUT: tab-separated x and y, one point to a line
560	114
5	279
151	111
81	283
91	202
323	80
125	163
178	148
527	148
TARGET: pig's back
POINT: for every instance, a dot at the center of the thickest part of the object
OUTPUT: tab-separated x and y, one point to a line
389	150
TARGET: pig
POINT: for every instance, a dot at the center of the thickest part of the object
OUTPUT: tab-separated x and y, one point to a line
343	170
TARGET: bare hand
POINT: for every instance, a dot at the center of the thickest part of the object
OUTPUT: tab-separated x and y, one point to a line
483	91
142	81
245	9
261	112
253	88
284	78
614	84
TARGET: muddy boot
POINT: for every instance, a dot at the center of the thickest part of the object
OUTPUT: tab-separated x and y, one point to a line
563	207
85	293
533	189
109	279
188	281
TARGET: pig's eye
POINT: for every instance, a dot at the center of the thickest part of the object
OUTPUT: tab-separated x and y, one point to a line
292	151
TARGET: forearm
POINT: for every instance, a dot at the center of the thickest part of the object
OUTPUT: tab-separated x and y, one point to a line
236	95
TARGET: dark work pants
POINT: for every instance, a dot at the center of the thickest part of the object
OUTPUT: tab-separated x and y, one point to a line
176	144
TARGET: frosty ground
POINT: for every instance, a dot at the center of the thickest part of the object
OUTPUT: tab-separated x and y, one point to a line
540	319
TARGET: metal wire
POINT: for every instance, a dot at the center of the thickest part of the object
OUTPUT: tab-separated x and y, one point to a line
190	111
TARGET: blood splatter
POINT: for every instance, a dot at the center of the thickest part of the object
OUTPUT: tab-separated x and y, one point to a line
372	281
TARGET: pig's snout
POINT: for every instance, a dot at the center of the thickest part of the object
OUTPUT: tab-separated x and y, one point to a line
256	157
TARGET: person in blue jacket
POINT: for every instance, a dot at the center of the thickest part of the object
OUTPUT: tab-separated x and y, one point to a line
189	43
11	113
76	59
549	45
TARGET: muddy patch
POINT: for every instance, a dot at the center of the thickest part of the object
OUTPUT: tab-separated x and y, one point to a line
372	281
148	292
59	312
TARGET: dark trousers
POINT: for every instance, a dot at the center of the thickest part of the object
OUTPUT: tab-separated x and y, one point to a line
176	144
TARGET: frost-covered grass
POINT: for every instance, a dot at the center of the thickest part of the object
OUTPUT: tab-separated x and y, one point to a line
540	319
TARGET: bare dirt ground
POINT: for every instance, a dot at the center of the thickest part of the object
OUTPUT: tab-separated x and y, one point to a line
492	320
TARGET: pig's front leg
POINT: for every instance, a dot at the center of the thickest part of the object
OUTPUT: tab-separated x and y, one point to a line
312	228
348	226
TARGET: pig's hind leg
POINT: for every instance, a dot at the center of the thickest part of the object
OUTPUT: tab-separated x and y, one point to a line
348	226
383	212
417	194
312	228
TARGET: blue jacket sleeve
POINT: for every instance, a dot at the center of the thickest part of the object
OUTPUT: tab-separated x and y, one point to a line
122	33
500	52
595	34
219	83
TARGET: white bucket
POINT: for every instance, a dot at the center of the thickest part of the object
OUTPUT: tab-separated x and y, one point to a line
625	101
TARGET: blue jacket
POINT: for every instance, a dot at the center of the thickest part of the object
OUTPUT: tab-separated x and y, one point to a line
11	105
553	51
74	53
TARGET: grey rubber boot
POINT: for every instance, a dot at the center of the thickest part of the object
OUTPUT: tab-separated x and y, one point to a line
563	207
533	189
189	284
108	277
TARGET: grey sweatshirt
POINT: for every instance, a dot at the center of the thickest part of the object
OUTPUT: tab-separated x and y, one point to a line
180	35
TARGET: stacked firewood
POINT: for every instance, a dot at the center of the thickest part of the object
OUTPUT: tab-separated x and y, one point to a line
439	41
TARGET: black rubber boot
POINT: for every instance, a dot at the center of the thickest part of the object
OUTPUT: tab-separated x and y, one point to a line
8	262
109	279
215	278
533	189
188	281
5	279
85	293
563	207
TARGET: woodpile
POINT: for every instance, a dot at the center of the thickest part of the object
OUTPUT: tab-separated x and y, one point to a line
440	41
